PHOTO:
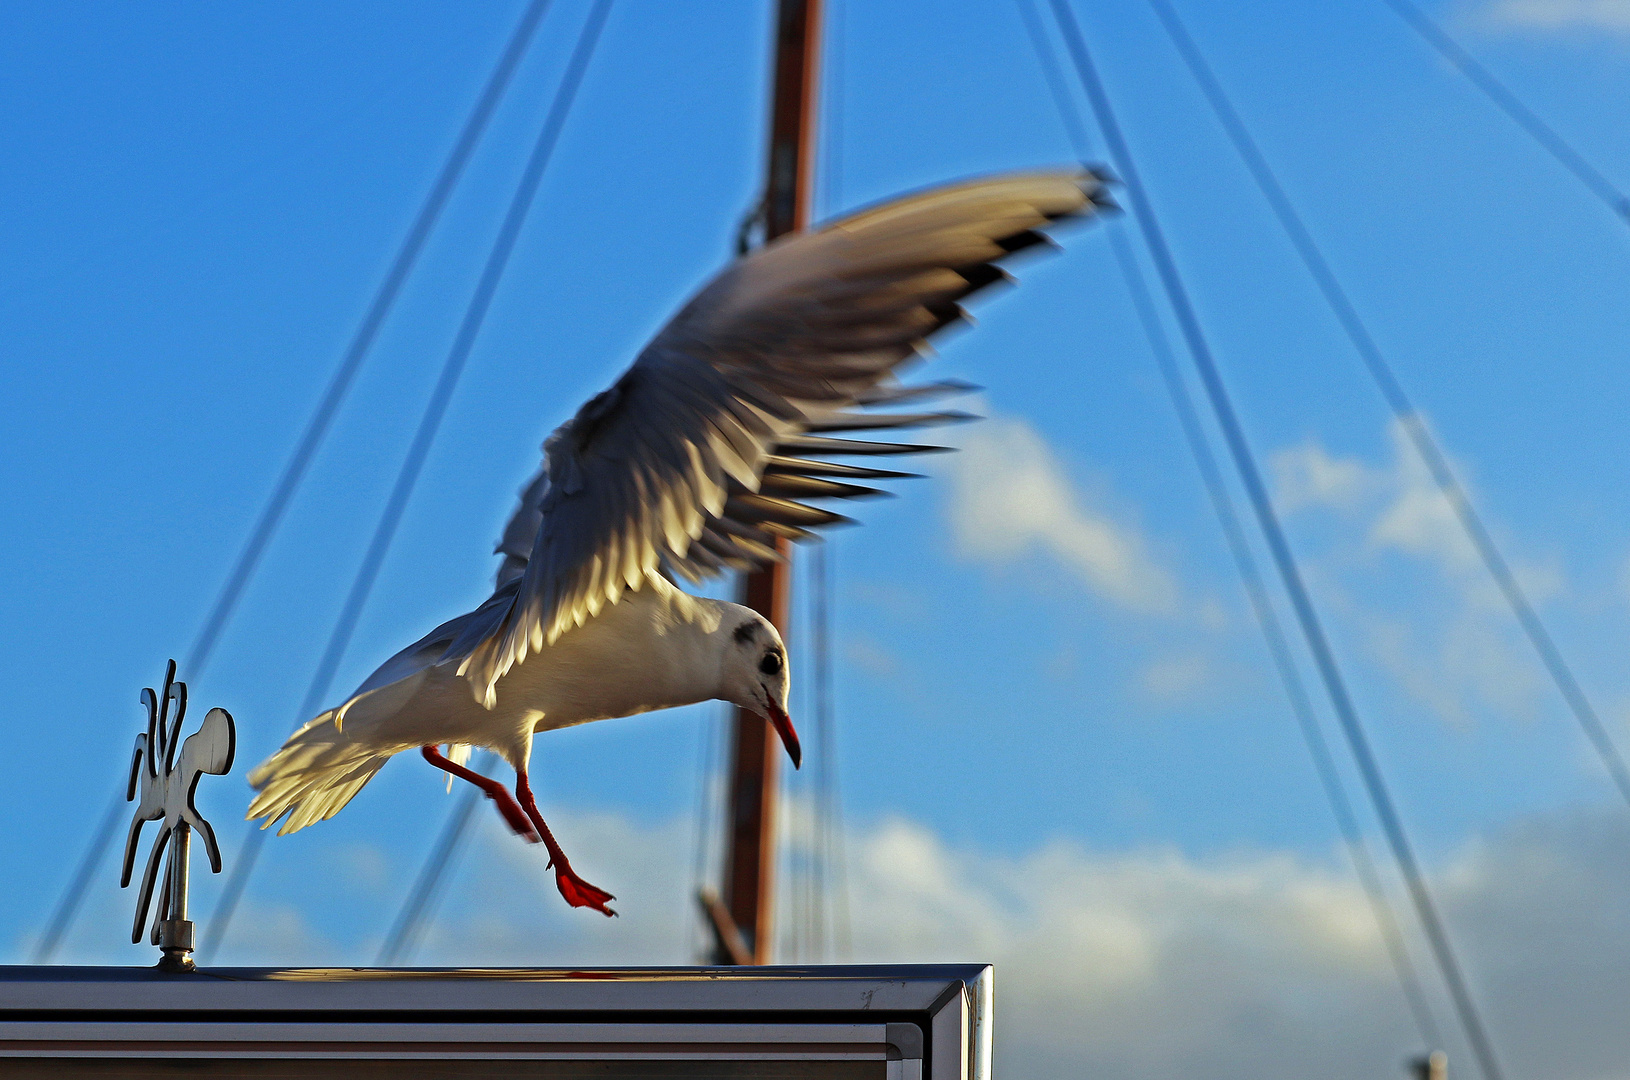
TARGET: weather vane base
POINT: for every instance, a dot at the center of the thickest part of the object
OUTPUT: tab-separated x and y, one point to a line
175	937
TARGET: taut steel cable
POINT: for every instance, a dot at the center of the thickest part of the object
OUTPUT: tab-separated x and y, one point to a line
1548	137
1409	418
420	903
271	515
1301	603
1245	564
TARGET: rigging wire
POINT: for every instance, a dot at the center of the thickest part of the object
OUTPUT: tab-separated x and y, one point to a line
835	17
68	905
277	503
699	940
817	914
1409	418
795	819
825	874
357	351
808	935
429	426
420	905
1301	603
1069	117
1507	102
814	848
834	851
1278	648
405	931
1245	562
834	865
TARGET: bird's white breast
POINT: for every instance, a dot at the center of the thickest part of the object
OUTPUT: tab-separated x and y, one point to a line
653	649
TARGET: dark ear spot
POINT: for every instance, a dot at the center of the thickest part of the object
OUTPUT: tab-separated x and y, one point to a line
746	632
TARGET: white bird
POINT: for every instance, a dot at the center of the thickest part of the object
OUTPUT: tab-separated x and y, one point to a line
688	466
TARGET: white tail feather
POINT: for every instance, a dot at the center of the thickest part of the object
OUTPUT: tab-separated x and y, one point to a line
313	776
458	754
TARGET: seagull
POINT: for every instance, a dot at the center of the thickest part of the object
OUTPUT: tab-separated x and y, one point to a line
692	464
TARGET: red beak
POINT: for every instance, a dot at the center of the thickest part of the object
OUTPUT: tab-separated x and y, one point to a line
789	737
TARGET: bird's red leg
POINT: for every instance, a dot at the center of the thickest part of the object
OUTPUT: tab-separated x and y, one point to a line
577	892
513	815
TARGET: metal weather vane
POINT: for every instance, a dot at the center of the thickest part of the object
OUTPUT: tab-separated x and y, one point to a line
166	781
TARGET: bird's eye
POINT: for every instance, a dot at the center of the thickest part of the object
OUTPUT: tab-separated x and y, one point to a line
771	664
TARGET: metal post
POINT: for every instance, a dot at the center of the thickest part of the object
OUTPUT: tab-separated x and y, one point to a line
175	930
749	872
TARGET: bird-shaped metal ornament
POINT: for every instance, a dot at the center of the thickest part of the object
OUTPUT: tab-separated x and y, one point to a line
164	772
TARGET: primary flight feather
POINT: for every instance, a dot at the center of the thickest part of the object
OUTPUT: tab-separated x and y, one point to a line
693	463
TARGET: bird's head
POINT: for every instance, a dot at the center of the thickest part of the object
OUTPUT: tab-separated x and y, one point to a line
754	673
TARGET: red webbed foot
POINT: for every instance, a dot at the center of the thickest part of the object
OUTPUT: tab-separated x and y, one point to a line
577	892
580	893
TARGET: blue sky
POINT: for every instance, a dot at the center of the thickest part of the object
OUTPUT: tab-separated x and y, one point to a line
1038	697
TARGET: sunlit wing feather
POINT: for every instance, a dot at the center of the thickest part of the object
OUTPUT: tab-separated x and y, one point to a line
665	473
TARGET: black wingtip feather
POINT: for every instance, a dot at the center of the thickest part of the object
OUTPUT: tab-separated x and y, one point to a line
787	485
792	466
815	444
1023	241
946	313
883	421
983	275
788	532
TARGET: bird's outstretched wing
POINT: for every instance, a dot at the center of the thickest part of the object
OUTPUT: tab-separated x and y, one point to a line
696	459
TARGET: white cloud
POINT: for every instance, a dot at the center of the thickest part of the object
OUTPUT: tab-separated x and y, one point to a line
871	656
1307	475
1011	498
1452	651
1413	516
1176	678
1419	519
1135	964
1610	15
1147	964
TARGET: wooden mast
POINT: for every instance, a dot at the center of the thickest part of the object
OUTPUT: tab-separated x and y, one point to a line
743	921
